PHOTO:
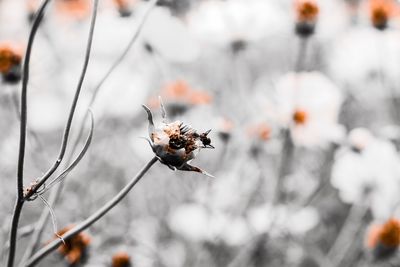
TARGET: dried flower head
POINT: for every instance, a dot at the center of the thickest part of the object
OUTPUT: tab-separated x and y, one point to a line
75	249
300	117
380	13
175	144
121	259
384	239
306	15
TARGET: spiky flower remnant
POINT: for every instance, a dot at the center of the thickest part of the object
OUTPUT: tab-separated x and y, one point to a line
176	144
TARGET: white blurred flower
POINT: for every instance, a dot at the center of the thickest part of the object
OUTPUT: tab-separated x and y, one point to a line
190	221
170	37
308	103
360	138
279	219
363	54
198	224
223	22
370	175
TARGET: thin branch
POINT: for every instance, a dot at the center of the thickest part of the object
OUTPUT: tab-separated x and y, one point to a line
37	257
67	130
54	194
80	156
22	142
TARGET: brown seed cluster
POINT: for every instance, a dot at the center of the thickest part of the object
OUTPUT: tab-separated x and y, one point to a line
181	136
74	250
9	58
121	259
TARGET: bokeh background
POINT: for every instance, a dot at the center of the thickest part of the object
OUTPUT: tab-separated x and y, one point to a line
303	101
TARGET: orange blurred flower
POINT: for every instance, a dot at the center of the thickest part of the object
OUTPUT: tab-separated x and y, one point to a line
74	250
10	56
300	117
380	12
121	259
261	131
384	239
387	234
181	92
79	9
306	10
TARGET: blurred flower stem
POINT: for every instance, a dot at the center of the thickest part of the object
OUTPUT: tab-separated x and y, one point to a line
55	193
38	256
21	157
285	166
347	232
286	162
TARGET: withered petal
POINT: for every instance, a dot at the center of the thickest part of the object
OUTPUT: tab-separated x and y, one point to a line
151	127
188	167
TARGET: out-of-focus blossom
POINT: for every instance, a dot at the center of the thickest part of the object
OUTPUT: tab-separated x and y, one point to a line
384	239
308	103
75	249
360	138
121	259
306	17
170	37
179	96
10	62
77	9
195	222
380	12
176	144
264	218
261	131
225	128
124	7
235	23
362	57
369	174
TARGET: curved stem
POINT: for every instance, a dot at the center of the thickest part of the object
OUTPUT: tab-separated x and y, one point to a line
67	130
56	191
21	157
91	219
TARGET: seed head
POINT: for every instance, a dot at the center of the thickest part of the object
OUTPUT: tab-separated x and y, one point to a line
176	144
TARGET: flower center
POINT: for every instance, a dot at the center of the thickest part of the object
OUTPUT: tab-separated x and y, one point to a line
307	11
390	233
300	117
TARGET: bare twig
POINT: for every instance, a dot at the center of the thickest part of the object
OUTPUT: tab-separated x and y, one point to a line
37	257
67	130
21	158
